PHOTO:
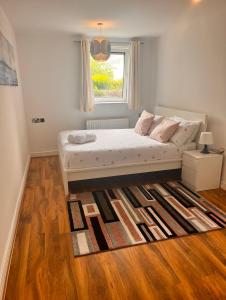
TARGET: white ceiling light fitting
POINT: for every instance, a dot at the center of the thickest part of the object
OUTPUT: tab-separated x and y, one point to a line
100	47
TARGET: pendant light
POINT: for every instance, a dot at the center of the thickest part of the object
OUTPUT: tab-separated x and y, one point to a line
100	47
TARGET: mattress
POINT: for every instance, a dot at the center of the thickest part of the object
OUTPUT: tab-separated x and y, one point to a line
116	147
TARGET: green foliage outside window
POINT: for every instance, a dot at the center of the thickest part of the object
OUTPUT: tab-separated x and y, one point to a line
104	83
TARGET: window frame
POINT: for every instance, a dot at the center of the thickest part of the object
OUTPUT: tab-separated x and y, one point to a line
122	48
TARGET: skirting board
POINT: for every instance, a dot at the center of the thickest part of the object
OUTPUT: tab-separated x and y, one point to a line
44	153
4	268
223	185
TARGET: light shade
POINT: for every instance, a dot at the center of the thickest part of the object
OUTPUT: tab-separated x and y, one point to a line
206	138
100	48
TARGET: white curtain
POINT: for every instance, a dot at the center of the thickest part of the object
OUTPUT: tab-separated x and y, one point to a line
134	97
87	95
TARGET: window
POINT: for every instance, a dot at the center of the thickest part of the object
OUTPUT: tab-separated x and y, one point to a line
110	77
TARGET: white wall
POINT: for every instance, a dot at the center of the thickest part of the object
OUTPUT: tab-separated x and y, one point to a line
192	66
13	156
50	68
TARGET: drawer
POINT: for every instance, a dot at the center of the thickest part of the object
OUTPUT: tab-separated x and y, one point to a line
189	175
201	180
190	161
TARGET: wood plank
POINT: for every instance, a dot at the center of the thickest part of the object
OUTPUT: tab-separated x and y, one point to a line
43	266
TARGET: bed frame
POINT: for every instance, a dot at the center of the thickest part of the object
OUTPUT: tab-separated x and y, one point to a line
70	175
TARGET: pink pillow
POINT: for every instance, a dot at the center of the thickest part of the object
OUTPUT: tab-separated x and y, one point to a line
144	123
157	120
165	130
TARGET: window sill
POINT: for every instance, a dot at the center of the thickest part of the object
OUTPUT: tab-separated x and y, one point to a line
110	102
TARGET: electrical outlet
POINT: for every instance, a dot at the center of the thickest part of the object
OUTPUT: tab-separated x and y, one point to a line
35	120
38	120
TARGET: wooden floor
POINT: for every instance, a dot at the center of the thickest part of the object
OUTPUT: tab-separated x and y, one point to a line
43	266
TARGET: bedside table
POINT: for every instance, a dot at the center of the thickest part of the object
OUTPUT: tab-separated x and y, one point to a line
201	171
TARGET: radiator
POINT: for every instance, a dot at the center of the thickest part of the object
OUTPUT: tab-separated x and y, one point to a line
107	124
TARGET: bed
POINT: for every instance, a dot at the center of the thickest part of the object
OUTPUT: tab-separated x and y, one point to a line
121	152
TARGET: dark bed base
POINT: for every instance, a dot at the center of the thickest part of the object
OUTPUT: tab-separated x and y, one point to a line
123	180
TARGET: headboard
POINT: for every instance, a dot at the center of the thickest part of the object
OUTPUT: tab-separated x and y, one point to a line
187	115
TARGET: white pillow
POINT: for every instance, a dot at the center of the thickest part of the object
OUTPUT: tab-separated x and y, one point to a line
186	132
197	125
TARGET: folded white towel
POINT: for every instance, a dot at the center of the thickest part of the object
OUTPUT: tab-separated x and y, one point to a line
81	138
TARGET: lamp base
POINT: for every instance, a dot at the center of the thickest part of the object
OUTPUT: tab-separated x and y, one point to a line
205	150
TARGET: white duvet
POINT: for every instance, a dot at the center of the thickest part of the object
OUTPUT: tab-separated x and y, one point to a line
116	147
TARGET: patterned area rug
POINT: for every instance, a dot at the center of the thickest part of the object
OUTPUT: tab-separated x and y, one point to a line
116	218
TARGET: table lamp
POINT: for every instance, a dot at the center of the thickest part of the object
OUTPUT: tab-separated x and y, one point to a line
206	138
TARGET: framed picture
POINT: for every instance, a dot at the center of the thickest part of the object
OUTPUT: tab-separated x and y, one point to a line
8	75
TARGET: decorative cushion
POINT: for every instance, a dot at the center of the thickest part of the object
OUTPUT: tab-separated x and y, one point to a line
144	123
197	125
157	120
186	131
165	130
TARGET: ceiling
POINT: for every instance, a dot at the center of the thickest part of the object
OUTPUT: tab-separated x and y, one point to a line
121	18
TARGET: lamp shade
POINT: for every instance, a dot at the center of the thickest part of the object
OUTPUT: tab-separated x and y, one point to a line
100	48
206	138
